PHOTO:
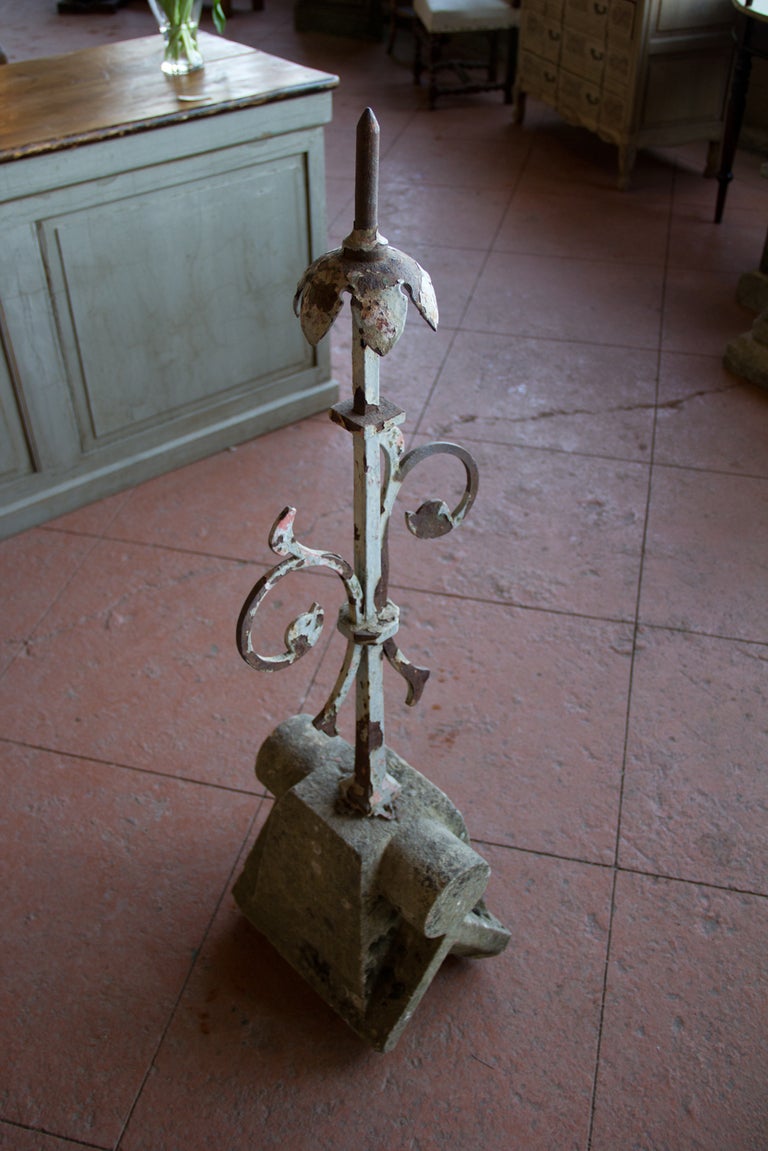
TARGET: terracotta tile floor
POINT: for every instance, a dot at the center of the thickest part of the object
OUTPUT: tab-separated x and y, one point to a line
598	632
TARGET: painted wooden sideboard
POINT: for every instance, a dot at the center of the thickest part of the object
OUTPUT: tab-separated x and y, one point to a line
637	72
152	231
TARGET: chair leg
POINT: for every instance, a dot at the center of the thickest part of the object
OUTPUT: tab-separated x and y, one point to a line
421	37
427	56
418	66
392	26
511	68
493	57
518	107
433	52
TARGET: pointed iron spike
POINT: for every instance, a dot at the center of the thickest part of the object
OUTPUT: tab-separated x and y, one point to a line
367	172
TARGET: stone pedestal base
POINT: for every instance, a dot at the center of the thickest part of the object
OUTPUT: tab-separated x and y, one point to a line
752	291
747	355
365	909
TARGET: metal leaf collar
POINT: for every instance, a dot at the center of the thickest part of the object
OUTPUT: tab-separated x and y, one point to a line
379	278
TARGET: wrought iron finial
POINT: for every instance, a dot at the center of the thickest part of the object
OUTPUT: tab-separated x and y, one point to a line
367	172
380	280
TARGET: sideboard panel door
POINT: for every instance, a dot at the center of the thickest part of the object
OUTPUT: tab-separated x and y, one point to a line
169	300
15	454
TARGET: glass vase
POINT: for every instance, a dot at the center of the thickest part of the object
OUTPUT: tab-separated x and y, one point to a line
178	21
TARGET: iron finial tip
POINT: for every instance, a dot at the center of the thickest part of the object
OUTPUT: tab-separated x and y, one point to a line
367	172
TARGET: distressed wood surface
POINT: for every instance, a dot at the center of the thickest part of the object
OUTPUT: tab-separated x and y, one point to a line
116	89
142	328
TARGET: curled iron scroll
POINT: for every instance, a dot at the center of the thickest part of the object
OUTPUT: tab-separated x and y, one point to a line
304	631
434	518
431	520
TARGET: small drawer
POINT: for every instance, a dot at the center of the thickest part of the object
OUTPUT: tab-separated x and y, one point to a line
583	56
589	17
537	77
551	9
540	36
618	68
613	120
621	22
578	100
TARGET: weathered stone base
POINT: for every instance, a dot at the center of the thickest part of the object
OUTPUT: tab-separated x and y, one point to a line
364	909
747	355
752	291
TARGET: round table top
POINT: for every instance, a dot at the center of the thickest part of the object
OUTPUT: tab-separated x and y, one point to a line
756	8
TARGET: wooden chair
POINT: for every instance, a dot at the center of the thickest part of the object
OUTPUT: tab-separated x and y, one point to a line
400	16
438	21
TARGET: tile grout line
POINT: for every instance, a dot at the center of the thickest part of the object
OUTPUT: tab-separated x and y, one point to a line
616	868
153	773
33	630
156	545
67	1139
459	327
539	853
185	982
242	561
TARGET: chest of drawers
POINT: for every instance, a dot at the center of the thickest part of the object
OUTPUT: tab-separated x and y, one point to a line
637	72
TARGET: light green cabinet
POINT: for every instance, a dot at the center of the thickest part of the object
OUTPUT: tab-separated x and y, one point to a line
148	265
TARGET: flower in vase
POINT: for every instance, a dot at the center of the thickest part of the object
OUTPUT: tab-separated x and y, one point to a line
178	20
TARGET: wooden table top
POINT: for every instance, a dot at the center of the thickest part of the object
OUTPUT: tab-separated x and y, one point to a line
56	102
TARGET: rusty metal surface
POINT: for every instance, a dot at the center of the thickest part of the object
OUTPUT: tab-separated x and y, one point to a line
380	281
